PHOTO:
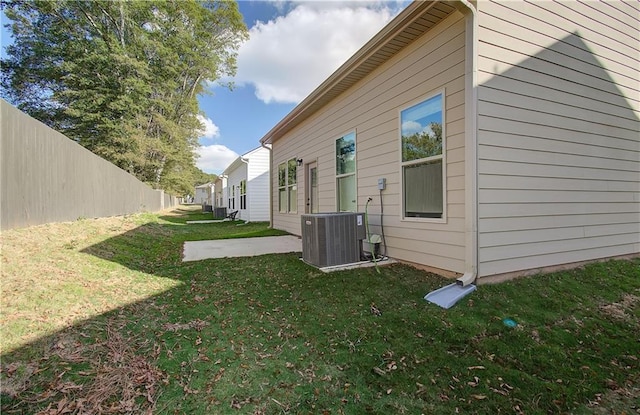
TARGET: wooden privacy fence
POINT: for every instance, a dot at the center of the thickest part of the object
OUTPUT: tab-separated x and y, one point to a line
47	177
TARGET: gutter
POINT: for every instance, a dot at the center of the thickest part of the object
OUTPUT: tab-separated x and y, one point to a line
262	143
471	148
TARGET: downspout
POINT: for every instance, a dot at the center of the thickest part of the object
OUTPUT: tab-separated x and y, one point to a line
270	183
471	147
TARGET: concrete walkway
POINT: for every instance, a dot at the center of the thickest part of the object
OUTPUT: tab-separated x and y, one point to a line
221	248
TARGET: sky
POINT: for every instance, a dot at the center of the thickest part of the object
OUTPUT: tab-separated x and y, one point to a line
293	47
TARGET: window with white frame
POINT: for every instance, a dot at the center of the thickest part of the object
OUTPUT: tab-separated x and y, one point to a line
422	142
243	194
346	187
288	187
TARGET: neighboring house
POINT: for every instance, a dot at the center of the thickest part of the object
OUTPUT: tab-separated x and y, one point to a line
204	194
507	135
220	187
247	187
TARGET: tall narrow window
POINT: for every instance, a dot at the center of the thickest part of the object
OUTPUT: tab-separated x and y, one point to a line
422	159
346	173
232	199
292	185
312	188
243	194
288	187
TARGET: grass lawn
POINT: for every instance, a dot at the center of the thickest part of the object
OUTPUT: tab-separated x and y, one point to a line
101	316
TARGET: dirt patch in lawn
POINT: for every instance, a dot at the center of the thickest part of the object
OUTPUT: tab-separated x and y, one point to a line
621	310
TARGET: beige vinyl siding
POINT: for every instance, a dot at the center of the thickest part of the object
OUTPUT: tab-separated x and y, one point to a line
558	133
431	64
283	151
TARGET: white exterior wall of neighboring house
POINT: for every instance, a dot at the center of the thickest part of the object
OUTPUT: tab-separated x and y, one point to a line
236	172
204	194
200	195
258	185
433	63
558	133
220	188
253	169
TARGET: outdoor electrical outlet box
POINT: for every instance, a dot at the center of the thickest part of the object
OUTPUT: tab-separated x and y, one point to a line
382	183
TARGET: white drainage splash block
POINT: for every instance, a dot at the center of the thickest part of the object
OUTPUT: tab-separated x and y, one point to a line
448	296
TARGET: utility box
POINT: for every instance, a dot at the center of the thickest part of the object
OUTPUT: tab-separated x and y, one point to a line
330	239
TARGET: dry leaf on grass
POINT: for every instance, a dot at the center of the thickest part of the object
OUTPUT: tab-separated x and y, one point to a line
15	377
196	324
123	382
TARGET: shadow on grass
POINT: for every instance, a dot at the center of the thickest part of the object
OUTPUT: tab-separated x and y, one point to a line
270	334
32	374
182	215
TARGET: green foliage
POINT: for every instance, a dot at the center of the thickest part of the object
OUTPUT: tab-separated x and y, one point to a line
292	175
422	144
346	154
282	176
122	77
202	177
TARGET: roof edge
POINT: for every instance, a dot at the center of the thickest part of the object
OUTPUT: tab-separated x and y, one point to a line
241	159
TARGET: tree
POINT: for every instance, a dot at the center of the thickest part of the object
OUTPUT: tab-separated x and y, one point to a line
122	77
423	144
202	177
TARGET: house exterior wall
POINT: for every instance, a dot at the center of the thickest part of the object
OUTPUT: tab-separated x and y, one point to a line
433	63
220	187
558	133
234	176
211	190
200	195
258	185
254	168
204	194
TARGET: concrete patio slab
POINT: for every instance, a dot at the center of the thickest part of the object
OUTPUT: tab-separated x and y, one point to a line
221	248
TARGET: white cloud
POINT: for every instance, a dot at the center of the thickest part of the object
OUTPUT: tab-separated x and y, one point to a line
209	129
214	158
410	127
286	58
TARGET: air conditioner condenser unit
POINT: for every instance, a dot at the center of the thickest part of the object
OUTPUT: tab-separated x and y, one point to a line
330	239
